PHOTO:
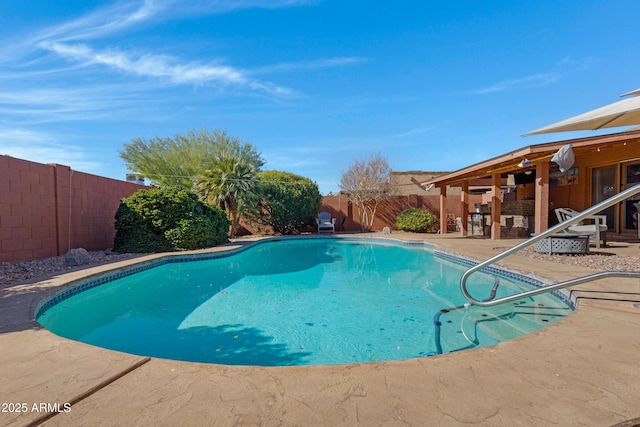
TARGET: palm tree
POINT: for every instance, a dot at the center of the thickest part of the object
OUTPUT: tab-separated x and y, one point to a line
229	181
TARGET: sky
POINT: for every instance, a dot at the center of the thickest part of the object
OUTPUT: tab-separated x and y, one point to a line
313	85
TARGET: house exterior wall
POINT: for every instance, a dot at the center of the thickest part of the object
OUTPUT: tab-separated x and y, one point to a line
408	183
578	196
45	210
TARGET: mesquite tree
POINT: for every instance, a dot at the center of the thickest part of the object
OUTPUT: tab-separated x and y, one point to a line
365	184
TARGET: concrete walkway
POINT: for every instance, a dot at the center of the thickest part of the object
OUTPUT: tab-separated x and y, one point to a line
581	371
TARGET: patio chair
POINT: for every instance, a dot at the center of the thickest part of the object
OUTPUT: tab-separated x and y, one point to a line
325	222
340	225
597	230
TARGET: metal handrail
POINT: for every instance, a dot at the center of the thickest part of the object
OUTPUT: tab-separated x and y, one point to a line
553	230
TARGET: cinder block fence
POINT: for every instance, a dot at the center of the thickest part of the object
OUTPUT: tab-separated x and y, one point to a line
47	209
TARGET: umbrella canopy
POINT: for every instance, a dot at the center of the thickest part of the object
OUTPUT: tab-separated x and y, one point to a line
621	113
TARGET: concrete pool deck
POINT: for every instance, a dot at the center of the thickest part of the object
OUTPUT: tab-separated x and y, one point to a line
583	370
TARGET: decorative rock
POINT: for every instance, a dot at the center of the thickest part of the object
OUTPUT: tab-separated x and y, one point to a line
386	230
78	256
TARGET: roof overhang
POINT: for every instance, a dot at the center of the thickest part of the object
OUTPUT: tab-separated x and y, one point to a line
509	162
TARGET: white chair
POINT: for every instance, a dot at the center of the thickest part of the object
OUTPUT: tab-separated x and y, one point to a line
598	229
325	222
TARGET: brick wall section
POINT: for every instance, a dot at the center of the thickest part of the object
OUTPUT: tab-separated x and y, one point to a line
47	209
519	207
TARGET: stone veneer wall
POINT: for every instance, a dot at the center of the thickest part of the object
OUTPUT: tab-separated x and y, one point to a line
516	218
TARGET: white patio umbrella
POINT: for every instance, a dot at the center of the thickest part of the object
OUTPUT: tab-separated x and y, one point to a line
621	113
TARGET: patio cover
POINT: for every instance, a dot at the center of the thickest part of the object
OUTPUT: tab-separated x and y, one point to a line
621	113
509	162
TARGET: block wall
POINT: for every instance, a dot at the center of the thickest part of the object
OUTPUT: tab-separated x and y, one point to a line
45	210
389	209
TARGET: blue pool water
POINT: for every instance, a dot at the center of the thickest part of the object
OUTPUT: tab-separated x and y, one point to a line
299	302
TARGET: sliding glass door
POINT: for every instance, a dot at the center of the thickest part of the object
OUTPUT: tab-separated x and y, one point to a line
603	186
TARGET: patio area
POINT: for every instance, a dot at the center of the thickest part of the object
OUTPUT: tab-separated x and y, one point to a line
581	371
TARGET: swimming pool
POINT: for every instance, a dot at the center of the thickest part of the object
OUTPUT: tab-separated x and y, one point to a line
297	302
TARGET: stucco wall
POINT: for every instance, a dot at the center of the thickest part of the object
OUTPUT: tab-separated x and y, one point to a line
45	210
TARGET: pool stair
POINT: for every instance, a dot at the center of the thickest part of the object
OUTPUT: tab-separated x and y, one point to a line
617	198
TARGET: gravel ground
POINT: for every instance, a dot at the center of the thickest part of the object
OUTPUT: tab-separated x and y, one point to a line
600	261
13	273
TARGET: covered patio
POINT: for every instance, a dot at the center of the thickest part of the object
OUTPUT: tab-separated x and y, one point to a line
526	186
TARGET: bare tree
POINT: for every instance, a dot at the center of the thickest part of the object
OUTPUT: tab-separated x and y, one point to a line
366	184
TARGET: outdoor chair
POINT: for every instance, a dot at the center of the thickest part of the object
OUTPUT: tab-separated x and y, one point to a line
340	225
325	222
597	230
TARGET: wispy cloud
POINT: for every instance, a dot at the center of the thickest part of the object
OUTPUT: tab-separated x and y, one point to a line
419	131
164	66
43	148
102	22
70	41
537	80
310	65
577	64
79	70
114	19
64	104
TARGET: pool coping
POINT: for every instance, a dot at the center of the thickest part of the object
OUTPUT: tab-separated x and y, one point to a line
582	370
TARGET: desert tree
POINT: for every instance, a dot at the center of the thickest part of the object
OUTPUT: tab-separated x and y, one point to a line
220	168
365	184
177	161
229	181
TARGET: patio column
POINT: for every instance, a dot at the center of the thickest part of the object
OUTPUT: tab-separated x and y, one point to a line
464	201
541	212
496	207
443	209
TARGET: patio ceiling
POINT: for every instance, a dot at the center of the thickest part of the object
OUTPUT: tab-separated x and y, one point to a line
508	162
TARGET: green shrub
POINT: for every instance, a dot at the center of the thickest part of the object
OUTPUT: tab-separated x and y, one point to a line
288	202
416	220
167	219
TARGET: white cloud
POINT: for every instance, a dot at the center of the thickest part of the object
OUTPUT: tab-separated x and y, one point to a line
315	64
101	23
115	19
62	104
43	148
164	66
537	80
415	132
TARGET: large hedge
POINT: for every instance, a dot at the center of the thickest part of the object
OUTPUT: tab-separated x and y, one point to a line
416	220
288	202
167	219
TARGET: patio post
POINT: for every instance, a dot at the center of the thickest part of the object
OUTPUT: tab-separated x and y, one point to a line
464	201
496	207
541	212
443	209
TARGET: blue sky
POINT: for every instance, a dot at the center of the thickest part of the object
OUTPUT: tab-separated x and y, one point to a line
314	85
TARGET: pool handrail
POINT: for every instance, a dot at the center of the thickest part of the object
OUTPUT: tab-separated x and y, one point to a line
551	231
